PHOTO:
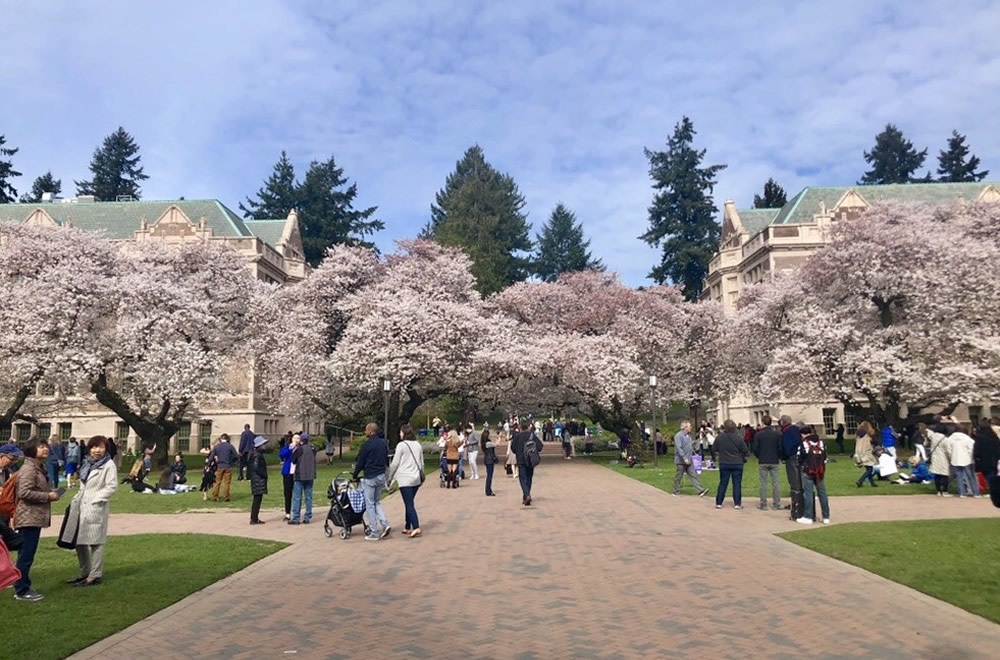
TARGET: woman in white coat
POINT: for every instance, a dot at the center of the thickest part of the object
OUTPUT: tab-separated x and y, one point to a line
88	517
406	469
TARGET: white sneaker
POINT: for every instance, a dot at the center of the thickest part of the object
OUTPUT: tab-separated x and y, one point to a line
826	521
804	521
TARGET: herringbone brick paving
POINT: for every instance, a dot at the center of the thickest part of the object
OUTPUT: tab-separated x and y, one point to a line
600	566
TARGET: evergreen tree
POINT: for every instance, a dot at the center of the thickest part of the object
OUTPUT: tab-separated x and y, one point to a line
774	196
116	169
8	193
277	196
43	184
561	248
326	213
682	215
893	159
481	210
953	166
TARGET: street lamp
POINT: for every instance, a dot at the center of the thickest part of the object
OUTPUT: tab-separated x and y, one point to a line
387	388
652	389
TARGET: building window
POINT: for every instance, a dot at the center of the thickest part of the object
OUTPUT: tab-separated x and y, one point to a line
975	412
65	431
4	435
121	434
850	421
23	432
44	431
205	434
46	389
828	420
184	437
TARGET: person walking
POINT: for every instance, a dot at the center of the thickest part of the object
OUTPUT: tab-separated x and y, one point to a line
257	474
489	449
986	453
304	472
453	457
766	446
247	438
840	439
288	445
733	451
962	461
32	512
472	451
407	469
812	458
864	456
226	457
791	441
74	458
683	460
527	449
372	460
89	511
511	459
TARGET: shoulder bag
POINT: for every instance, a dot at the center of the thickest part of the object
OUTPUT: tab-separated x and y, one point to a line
420	469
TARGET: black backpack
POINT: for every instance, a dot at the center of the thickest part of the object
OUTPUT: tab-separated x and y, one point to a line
531	454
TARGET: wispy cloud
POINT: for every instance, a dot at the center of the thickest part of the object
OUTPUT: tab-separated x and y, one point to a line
563	95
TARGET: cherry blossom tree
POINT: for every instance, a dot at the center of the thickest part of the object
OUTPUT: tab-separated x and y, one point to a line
896	315
169	341
53	284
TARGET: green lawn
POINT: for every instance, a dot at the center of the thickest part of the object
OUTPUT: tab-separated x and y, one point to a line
143	574
840	478
954	560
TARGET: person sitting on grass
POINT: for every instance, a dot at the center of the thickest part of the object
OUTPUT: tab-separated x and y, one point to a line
178	471
135	478
921	475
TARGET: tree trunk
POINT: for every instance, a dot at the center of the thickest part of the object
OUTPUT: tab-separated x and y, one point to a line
151	430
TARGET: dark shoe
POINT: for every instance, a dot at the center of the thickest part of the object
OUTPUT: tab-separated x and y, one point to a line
256	522
874	485
90	583
306	522
227	499
76	581
491	494
30	594
858	484
293	522
527	502
385	532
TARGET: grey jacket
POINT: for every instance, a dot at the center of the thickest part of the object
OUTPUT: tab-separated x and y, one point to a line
731	448
304	459
682	448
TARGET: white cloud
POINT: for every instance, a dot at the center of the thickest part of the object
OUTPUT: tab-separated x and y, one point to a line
564	96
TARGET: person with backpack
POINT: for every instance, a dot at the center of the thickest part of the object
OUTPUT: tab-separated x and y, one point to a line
527	452
32	512
9	455
812	458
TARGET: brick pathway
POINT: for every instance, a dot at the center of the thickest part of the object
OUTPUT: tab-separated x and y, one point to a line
601	566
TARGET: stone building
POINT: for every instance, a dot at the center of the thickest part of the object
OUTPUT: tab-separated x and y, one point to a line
757	243
273	252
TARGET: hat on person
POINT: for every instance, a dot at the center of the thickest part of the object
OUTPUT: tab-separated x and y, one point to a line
259	442
10	449
304	436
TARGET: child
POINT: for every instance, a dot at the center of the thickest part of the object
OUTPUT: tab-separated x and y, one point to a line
208	476
920	473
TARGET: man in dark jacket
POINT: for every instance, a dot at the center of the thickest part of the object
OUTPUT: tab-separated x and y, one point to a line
246	446
226	456
766	446
525	470
372	460
791	441
304	465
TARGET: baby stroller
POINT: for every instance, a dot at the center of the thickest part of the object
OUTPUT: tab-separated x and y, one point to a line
449	479
347	507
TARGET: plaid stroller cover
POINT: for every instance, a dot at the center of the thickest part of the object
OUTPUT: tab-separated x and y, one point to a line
357	497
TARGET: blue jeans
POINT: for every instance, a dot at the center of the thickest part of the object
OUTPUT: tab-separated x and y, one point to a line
408	493
373	502
967	482
26	557
809	510
868	475
525	475
489	478
53	470
727	472
298	489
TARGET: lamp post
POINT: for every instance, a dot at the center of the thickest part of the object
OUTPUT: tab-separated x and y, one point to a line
386	389
652	389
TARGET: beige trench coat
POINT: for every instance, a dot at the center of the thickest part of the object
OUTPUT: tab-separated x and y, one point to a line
89	509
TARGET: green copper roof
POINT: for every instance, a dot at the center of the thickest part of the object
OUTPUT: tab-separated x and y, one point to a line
120	220
268	231
754	220
801	208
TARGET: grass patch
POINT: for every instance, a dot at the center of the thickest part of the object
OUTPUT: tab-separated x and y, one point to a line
953	560
143	573
840	478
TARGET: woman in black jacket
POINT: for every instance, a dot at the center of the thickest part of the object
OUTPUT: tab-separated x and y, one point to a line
986	451
257	468
489	449
732	450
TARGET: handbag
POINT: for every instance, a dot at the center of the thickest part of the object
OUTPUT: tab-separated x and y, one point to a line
68	545
8	572
420	469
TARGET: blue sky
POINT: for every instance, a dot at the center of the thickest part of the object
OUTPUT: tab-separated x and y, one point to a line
562	95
